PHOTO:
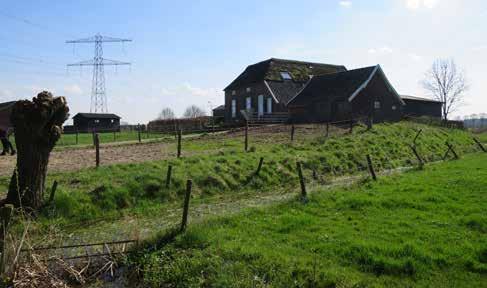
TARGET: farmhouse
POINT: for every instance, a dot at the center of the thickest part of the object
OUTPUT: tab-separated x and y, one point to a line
87	122
278	90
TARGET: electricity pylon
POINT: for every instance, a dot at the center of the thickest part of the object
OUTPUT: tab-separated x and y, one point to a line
98	95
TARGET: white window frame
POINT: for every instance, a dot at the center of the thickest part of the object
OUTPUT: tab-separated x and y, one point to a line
269	105
285	75
394	107
260	105
248	103
248	89
376	104
234	108
234	92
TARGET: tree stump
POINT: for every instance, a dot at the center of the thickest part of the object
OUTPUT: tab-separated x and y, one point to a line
38	126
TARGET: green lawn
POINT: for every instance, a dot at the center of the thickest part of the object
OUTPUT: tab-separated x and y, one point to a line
419	229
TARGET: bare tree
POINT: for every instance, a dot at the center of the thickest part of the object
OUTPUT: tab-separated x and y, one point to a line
194	111
446	84
167	114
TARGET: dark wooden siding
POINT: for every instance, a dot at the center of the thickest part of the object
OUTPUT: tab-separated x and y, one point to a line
419	108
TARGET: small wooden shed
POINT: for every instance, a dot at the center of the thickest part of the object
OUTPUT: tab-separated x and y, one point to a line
87	122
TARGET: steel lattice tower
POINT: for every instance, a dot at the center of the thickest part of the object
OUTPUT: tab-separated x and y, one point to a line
98	95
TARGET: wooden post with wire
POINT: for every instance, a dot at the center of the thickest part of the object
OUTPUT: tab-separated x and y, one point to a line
97	150
184	222
479	144
261	161
179	142
292	133
351	126
327	129
450	148
246	136
415	152
5	216
371	168
53	191
168	176
76	136
304	194
417	135
138	133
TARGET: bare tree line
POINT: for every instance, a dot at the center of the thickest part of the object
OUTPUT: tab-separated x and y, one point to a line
192	111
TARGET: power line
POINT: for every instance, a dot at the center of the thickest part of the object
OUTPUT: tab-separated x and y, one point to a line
98	95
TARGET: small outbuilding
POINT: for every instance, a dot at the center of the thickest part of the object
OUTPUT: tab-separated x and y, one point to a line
419	106
87	122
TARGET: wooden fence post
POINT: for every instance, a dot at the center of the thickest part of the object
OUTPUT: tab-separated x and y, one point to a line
168	176
184	222
97	150
417	135
246	144
369	122
479	144
292	133
76	136
5	215
351	126
53	191
450	148
304	196
179	143
327	129
138	133
261	161
93	132
420	160
371	168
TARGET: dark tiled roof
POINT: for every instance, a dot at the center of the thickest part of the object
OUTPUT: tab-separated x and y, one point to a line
7	104
221	107
415	98
271	69
97	116
342	84
285	90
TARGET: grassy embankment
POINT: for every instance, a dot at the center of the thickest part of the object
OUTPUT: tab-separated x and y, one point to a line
422	228
116	190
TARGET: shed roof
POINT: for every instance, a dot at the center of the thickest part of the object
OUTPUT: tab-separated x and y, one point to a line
97	116
416	98
270	70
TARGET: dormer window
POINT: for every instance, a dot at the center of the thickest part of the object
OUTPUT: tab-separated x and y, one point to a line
286	76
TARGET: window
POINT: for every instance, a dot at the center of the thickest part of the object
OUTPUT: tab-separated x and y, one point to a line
286	76
377	105
248	103
234	92
248	89
394	107
269	105
97	121
234	108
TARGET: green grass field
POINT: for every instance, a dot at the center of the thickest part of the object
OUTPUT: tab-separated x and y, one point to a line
130	188
418	229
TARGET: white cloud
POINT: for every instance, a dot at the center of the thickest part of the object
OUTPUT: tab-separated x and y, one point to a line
417	4
346	4
73	89
381	50
187	94
415	57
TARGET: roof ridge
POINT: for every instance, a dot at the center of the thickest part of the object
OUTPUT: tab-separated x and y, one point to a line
300	62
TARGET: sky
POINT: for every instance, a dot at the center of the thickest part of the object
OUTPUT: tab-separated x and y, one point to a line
187	52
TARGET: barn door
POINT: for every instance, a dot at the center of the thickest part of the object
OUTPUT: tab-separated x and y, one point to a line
260	109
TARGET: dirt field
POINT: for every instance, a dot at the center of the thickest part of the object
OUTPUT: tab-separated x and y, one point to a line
76	159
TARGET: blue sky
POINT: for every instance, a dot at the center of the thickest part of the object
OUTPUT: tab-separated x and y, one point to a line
186	52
